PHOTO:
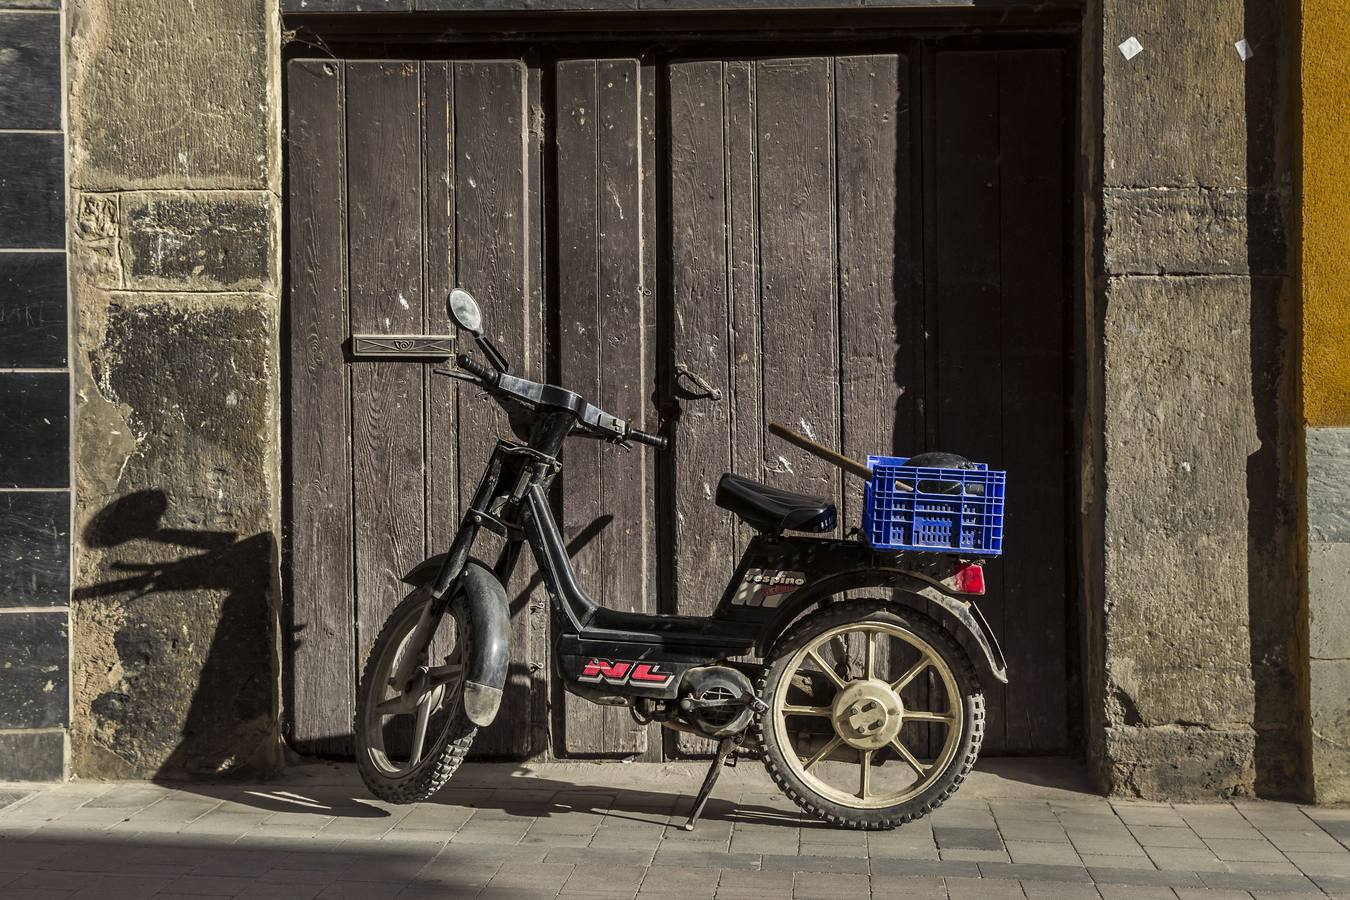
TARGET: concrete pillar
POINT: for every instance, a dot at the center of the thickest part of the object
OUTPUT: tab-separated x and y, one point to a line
1326	392
1192	689
175	171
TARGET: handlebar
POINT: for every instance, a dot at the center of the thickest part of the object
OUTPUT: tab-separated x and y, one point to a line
593	420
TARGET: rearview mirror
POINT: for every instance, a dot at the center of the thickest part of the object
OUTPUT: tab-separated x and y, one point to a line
464	310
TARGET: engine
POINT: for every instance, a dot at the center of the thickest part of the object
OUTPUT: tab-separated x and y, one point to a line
714	701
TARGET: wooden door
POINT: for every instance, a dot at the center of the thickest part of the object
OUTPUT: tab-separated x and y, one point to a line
406	179
867	247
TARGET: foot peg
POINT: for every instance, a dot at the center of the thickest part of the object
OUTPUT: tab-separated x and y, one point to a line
725	748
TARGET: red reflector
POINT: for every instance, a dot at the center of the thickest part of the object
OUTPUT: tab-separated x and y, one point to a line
969	578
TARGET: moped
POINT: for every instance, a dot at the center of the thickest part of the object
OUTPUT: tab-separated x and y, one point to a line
852	667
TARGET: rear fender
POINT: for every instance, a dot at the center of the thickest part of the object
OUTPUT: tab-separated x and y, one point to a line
961	617
488	621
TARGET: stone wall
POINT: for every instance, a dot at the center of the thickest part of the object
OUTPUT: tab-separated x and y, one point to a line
1197	693
175	172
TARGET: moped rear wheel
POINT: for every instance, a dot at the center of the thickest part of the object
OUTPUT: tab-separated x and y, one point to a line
875	714
409	743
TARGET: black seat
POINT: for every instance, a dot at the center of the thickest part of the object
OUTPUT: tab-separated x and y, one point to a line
767	508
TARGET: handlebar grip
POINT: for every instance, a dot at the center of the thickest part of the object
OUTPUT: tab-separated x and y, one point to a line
475	368
651	440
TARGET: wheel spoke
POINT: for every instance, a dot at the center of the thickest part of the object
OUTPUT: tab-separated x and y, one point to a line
870	654
822	753
865	777
793	710
828	670
903	681
913	715
446	674
395	706
908	757
420	729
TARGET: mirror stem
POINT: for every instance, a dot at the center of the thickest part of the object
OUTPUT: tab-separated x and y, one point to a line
492	353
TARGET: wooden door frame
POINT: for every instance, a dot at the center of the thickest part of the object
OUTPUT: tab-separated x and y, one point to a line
913	33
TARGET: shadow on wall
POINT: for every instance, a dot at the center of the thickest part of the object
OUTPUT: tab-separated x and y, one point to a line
192	685
1278	647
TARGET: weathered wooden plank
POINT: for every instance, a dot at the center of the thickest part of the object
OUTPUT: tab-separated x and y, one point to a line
385	255
703	536
878	298
603	354
438	275
322	666
798	303
968	400
747	374
1032	238
493	243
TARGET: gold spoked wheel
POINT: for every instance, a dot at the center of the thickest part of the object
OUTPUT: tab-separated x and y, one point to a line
874	715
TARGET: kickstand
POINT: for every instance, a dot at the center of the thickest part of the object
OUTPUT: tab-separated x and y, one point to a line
725	748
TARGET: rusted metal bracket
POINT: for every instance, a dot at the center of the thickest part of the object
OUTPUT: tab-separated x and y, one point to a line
403	346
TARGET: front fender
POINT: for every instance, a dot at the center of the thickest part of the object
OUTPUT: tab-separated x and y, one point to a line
487	619
965	614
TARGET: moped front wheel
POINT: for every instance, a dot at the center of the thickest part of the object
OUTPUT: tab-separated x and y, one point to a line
410	738
875	714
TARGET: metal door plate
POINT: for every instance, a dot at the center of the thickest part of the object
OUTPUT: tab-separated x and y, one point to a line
403	346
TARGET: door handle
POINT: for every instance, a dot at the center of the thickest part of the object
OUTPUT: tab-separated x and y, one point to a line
705	390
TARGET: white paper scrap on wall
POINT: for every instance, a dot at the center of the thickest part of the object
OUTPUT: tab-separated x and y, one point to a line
1244	50
1130	47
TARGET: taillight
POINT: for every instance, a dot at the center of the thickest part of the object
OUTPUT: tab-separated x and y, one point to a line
968	578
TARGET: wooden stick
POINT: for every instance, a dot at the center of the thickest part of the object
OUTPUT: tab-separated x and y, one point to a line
849	465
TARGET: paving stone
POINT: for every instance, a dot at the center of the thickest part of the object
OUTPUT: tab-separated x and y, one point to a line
979	856
1094	860
1210	894
615	878
1247	881
1059	890
844	864
1018	830
1321	863
952	838
706	859
1148	814
1034	872
1134	892
1144	877
587	856
858	848
1022	811
532	875
959	888
1186	859
1281	867
1307	840
1041	853
921	867
1167	836
1118	845
1218	822
740	884
829	886
680	881
919	887
1241	849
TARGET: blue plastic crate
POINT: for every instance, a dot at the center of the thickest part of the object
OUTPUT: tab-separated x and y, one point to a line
905	508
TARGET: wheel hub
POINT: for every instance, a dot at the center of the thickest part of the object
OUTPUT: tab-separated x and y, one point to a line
867	714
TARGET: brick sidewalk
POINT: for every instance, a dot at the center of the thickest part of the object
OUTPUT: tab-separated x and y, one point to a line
605	831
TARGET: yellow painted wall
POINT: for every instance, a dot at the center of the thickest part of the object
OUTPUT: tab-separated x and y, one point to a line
1326	211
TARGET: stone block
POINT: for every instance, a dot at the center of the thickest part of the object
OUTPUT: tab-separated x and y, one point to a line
173	95
1328	462
32	755
33	669
1173	762
1329	708
35	442
1180	113
1157	231
32	191
30	70
208	241
1180	427
1329	602
32	310
34	548
174	603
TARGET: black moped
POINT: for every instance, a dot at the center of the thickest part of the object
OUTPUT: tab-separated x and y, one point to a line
853	670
